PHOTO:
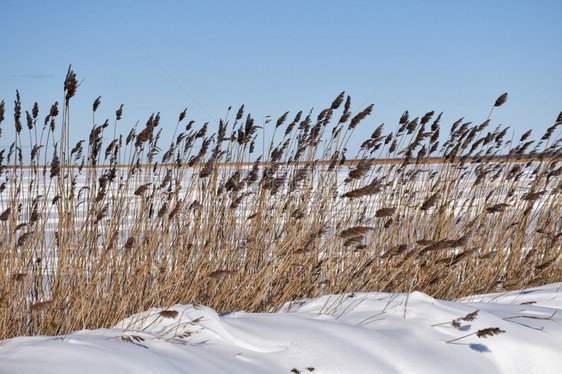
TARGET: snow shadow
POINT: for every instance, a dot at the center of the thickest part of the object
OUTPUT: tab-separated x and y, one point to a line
479	348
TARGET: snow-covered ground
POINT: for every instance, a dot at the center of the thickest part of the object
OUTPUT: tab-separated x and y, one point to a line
351	333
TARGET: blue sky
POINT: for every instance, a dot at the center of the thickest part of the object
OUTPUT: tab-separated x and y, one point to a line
279	56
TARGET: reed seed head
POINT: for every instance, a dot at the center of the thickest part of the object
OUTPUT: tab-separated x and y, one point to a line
96	104
501	100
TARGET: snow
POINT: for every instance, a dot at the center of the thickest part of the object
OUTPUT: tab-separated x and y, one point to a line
351	333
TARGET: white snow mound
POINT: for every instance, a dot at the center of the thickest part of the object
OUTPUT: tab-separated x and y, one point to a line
351	333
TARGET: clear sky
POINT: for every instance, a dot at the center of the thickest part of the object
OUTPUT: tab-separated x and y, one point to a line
290	55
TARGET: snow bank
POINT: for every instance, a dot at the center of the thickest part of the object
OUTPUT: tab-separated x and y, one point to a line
352	333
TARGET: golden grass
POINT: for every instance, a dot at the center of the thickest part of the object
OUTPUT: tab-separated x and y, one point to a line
93	232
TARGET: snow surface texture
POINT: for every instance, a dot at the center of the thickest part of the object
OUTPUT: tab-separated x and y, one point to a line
351	333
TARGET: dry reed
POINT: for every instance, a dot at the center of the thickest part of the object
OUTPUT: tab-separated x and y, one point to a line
102	230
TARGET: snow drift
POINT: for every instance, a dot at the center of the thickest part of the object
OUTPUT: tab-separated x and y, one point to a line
351	333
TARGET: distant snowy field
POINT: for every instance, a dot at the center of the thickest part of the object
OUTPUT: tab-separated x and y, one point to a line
351	333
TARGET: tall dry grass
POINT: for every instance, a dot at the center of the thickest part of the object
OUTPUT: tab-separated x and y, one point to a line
115	224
